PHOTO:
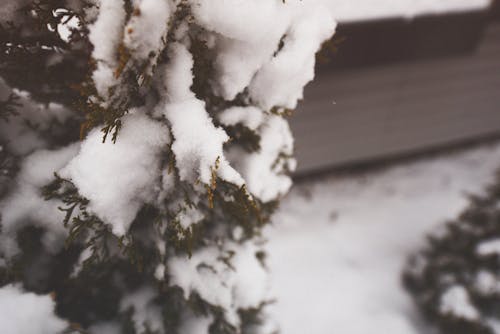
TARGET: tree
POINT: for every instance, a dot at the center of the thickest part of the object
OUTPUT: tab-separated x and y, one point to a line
455	280
146	145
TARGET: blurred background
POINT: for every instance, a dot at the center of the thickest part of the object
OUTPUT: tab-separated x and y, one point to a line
399	128
401	77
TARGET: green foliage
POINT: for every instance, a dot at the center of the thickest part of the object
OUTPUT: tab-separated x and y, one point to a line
451	258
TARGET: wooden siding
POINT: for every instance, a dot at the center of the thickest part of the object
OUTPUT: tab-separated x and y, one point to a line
355	115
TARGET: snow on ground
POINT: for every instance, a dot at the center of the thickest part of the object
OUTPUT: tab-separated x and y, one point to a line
339	243
356	10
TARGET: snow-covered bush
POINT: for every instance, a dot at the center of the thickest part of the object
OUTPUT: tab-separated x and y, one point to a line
456	279
143	146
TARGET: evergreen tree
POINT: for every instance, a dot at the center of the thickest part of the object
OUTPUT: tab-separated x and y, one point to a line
143	146
456	279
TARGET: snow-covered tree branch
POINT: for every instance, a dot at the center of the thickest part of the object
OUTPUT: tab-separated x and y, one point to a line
146	145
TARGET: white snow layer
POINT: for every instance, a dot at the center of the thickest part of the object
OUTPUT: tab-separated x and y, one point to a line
198	143
148	27
27	313
242	284
264	170
145	315
359	10
118	178
247	44
28	136
456	302
339	244
490	247
280	81
26	205
251	117
487	283
105	35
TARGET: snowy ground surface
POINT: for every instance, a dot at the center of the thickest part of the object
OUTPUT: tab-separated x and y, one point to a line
339	243
356	10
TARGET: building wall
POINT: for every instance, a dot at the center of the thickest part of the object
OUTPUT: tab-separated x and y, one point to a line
354	113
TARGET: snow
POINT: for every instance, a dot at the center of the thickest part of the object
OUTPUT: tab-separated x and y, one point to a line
27	313
251	117
105	35
456	302
189	216
28	136
26	205
146	30
490	247
263	170
195	325
242	284
118	178
198	143
248	34
281	80
339	244
145	315
487	283
359	10
67	25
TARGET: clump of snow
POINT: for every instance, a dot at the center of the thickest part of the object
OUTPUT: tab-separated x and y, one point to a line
198	144
26	205
265	170
251	117
145	315
67	24
118	178
456	302
490	247
27	313
189	216
281	80
42	118
239	282
146	31
487	283
248	34
84	255
106	34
